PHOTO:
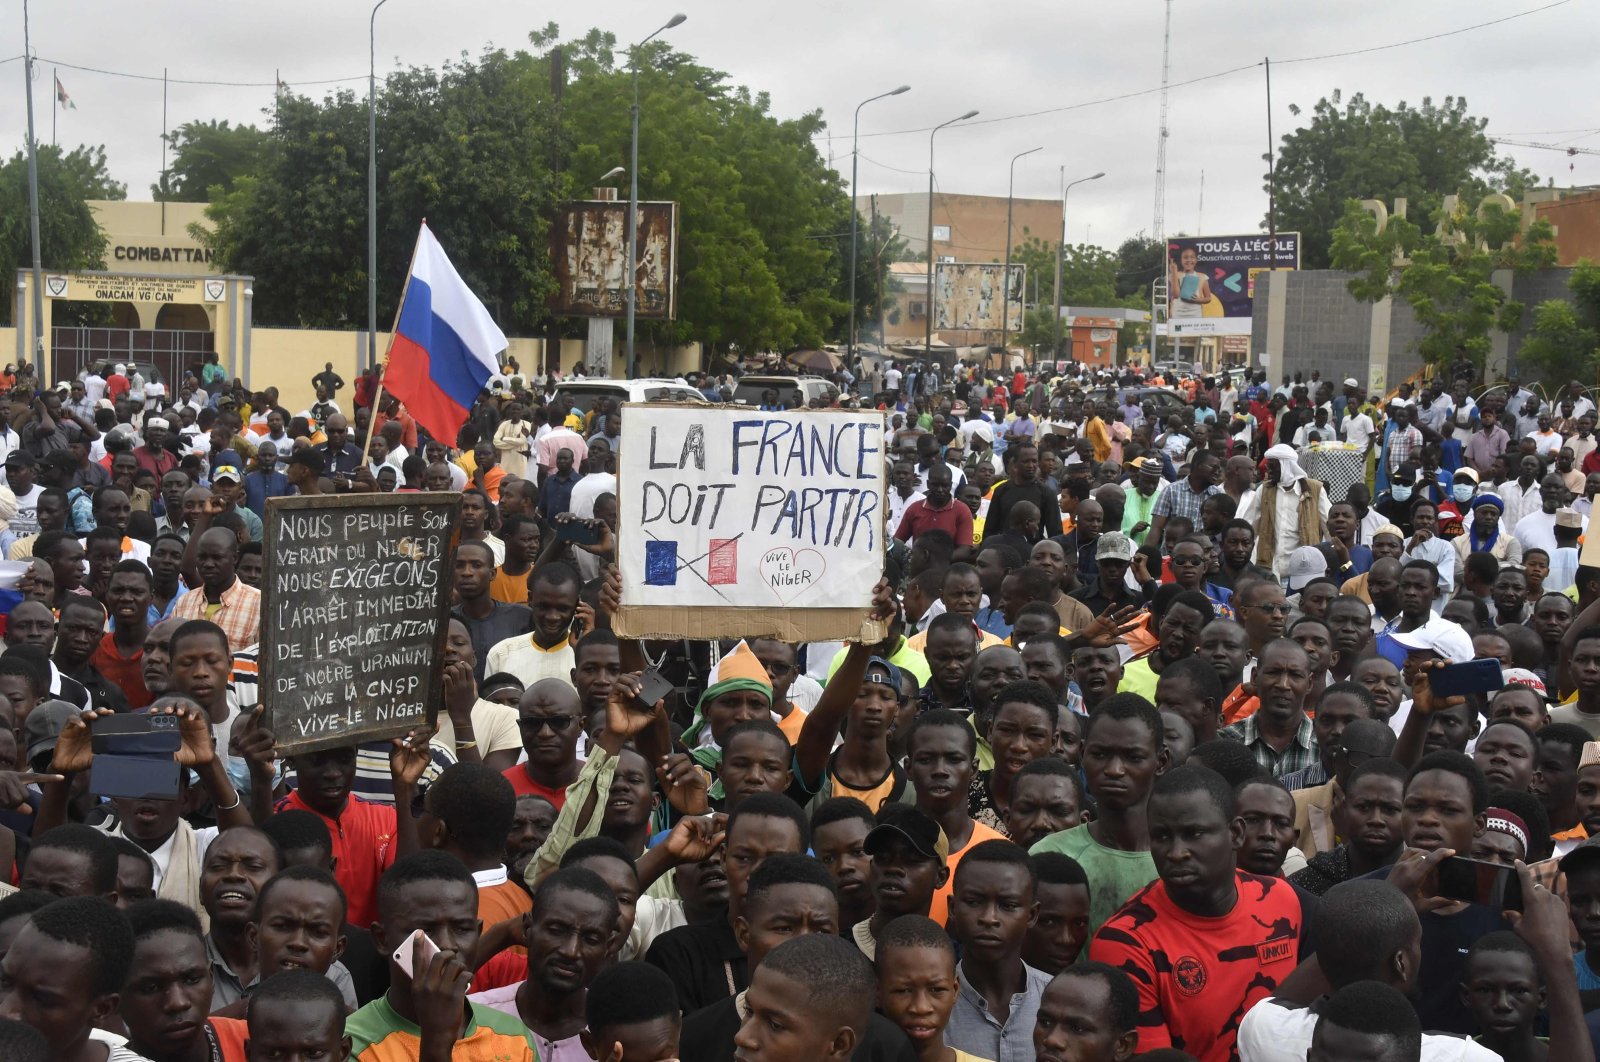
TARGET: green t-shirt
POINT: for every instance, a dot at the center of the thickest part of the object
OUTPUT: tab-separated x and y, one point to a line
378	1034
1138	678
1114	875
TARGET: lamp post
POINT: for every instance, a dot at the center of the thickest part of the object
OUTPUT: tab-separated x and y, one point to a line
1061	251
372	185
928	303
1005	282
850	346
632	277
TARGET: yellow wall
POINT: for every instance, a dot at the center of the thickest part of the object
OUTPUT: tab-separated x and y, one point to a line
152	237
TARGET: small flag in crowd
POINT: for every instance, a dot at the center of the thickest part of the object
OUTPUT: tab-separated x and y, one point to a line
446	345
63	99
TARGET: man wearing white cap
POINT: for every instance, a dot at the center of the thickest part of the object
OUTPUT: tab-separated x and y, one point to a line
118	383
1289	510
152	455
1437	639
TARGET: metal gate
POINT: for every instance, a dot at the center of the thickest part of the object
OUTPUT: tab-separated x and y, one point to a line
171	352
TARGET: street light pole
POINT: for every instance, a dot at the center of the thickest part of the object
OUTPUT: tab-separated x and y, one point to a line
928	302
631	278
850	346
1061	251
33	205
372	185
1005	283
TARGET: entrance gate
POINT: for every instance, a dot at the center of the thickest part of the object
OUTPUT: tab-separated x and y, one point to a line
172	352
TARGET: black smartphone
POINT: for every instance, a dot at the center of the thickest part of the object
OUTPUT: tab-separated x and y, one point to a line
1491	884
653	686
139	777
577	531
135	735
1474	676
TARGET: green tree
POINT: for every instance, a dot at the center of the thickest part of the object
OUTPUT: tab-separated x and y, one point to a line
465	147
759	263
69	237
1564	343
208	157
1358	150
1446	276
1140	260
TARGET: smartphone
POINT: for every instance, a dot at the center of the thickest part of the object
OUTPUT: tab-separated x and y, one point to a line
1458	680
1490	884
139	777
135	735
403	954
653	686
577	531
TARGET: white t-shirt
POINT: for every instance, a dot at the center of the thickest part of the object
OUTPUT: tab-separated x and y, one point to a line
1358	429
1279	1032
26	522
891	379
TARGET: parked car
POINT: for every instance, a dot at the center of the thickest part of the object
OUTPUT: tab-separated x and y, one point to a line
583	392
1162	401
749	389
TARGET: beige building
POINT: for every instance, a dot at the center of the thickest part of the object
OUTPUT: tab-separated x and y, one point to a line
966	228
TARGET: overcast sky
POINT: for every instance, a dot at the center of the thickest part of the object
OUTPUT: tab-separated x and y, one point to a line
1528	76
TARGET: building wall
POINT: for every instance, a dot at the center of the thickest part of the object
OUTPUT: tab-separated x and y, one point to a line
1577	222
1326	329
152	237
977	222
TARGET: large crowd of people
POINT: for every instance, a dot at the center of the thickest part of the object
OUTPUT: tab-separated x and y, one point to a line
1173	749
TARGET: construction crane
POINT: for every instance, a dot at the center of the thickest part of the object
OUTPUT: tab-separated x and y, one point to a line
1545	147
1158	290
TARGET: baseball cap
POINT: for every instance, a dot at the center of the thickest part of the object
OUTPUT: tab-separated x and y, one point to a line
22	458
1586	851
882	673
1114	545
912	825
1521	676
1305	564
44	726
1437	636
228	472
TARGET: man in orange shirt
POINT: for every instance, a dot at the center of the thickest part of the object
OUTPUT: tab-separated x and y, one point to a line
468	811
942	760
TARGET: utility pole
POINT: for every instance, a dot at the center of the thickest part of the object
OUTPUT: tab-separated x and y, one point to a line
33	204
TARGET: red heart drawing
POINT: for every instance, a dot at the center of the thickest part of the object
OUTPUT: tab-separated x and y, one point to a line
790	572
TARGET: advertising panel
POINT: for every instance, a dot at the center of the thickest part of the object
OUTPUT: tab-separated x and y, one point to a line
969	295
1211	280
591	260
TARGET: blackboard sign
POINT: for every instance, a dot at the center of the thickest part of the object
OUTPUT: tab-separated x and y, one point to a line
354	609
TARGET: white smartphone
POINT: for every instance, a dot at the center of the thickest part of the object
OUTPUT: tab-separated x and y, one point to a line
403	954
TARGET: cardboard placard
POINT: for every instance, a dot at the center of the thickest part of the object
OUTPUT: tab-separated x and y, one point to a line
739	523
355	603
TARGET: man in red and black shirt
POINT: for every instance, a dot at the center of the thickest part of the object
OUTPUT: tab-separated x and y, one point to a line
1205	942
937	510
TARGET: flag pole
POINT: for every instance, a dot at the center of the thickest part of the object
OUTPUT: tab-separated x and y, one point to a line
377	396
55	104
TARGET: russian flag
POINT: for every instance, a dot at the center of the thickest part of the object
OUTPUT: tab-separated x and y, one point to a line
445	347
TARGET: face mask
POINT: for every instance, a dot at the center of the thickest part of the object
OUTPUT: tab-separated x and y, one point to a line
1401	494
1462	492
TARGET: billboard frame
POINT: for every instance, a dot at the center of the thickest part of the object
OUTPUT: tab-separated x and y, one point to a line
590	245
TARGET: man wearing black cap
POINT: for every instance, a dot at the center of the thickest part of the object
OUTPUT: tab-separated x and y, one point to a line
909	855
305	469
20	470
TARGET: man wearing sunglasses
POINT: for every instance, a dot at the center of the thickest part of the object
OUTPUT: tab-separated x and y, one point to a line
549	719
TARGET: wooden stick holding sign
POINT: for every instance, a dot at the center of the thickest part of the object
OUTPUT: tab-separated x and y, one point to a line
355	607
736	523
